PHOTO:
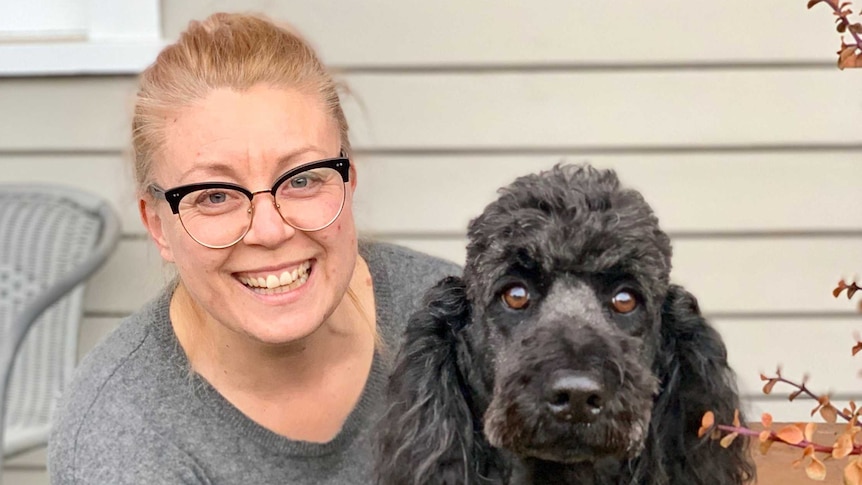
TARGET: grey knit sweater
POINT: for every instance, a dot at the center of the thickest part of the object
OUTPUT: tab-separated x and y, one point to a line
135	415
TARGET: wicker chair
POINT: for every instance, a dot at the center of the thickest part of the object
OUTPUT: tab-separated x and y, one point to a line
52	238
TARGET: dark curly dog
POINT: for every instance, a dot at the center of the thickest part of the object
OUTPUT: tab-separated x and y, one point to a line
563	355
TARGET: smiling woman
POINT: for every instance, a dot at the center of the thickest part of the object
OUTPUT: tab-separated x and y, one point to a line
264	361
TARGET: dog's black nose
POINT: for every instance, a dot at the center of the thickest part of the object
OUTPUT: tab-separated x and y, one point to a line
574	397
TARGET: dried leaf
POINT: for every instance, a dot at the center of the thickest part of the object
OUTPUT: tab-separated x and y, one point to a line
843	446
857	348
843	54
766	420
841	27
790	434
852	290
829	413
816	470
794	395
767	388
728	440
809	431
856	28
764	435
812	3
853	473
764	446
706	423
841	284
736	422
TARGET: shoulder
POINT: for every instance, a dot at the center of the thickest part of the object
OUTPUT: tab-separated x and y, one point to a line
407	266
103	429
401	278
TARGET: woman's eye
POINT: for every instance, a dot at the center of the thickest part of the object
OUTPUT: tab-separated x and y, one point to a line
211	197
624	302
298	182
516	297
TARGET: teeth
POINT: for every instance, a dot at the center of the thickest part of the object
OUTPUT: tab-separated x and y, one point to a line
272	281
278	283
285	279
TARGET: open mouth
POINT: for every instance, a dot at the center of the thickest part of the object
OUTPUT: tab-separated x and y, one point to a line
273	284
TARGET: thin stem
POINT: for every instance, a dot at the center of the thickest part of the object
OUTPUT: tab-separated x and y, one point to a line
843	19
857	449
807	392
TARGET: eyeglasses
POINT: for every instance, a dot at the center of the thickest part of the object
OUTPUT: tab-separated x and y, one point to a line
218	215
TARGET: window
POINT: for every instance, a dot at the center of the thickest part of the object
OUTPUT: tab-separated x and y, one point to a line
66	37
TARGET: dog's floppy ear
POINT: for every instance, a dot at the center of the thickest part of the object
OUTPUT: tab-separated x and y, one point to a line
430	432
692	365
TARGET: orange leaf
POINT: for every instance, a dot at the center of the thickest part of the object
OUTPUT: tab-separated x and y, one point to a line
706	423
816	470
857	348
767	388
764	435
853	473
841	284
812	3
809	431
764	446
790	434
843	446
736	422
727	440
829	413
766	420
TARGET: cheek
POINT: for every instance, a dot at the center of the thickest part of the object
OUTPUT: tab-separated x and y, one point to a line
193	259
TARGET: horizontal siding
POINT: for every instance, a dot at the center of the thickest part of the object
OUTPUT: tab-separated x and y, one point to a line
691	192
529	32
798	346
557	111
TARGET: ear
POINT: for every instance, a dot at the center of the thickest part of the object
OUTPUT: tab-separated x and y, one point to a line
430	431
696	378
153	222
352	172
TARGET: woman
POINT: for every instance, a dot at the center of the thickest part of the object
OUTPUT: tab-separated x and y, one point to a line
265	361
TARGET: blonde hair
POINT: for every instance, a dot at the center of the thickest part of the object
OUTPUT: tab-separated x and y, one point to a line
225	50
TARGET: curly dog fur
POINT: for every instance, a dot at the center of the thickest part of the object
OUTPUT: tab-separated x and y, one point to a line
563	355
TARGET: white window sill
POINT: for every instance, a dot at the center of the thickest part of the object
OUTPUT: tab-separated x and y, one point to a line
77	58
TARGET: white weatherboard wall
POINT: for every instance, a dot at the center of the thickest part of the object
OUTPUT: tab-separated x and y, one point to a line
729	116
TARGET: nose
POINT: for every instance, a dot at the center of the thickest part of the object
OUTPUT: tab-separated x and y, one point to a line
268	228
574	397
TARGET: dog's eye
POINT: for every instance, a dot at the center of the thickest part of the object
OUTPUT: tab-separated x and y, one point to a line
624	302
516	297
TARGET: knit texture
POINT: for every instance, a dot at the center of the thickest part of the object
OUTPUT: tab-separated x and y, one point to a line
135	414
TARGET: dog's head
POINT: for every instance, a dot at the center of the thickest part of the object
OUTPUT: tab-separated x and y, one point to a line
566	275
565	344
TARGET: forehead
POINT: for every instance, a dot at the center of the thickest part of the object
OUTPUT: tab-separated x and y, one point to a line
611	243
244	129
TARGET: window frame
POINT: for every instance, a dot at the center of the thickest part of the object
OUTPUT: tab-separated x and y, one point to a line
122	37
